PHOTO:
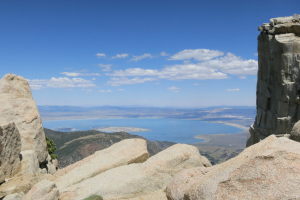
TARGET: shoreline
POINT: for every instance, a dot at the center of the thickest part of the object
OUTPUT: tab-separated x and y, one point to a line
206	138
244	128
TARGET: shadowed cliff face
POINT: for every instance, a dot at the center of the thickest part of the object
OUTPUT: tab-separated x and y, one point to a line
278	83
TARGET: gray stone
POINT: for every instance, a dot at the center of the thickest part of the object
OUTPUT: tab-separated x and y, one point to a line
10	148
29	163
295	133
278	83
15	196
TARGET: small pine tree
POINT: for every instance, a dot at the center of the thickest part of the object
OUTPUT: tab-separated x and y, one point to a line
51	148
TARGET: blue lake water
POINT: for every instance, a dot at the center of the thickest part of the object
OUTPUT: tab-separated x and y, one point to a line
163	129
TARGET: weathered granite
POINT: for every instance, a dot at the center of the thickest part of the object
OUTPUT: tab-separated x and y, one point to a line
278	83
122	153
266	170
43	190
10	149
15	196
18	106
138	180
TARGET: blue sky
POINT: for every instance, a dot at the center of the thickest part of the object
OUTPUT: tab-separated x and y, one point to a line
135	52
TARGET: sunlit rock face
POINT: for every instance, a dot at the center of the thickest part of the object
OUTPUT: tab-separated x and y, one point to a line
278	83
18	106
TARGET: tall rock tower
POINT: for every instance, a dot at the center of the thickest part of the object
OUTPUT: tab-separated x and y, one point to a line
278	84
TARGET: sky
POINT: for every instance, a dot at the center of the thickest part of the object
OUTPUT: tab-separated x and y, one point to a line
161	53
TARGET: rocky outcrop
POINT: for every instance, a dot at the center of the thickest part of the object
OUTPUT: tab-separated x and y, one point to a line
23	148
266	170
278	83
136	180
122	153
10	148
43	190
18	106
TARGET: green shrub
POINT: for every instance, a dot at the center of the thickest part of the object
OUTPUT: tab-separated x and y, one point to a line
51	148
94	197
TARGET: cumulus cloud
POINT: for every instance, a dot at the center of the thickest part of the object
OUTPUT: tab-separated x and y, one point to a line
196	54
175	72
60	82
233	90
100	54
117	81
76	74
232	64
141	57
174	89
200	64
105	67
121	55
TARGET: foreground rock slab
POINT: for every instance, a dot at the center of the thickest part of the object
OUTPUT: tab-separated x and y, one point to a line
43	190
267	170
137	180
122	153
10	149
18	106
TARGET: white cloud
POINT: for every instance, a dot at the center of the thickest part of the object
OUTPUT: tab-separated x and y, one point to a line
164	53
122	55
100	54
76	74
217	65
105	67
135	72
61	82
196	54
232	64
175	72
117	81
141	57
105	91
174	89
233	90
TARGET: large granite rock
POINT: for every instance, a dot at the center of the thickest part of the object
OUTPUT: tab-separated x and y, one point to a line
122	153
278	83
18	106
10	148
266	170
43	190
138	181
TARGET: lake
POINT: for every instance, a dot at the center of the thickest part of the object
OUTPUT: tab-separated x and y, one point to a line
163	129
